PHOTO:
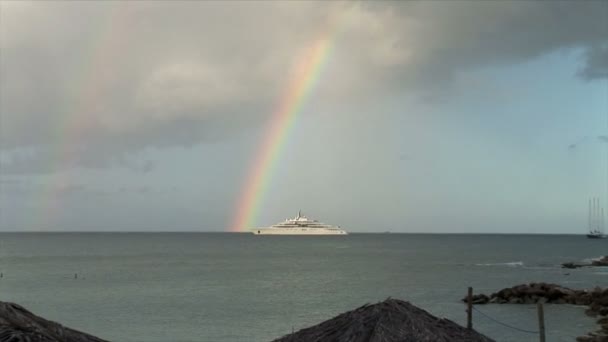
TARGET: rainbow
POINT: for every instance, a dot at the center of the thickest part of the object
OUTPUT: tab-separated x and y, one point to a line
306	76
75	120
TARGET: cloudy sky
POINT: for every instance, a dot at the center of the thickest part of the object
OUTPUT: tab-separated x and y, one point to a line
426	117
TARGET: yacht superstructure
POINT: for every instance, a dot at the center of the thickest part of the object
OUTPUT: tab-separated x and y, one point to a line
300	225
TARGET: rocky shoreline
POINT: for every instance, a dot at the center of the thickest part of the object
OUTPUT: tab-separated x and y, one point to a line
601	262
596	299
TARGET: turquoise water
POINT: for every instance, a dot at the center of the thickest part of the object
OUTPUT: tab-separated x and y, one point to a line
240	287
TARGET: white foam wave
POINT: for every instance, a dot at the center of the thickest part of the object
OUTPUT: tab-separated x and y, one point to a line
509	264
590	260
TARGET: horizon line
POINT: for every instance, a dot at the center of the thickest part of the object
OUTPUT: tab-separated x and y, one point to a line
246	232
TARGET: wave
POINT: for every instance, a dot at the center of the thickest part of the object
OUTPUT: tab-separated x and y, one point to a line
509	264
590	260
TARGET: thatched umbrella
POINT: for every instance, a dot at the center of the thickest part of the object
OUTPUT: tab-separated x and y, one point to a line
19	325
392	320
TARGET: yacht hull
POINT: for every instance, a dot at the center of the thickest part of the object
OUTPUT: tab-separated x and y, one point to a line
298	231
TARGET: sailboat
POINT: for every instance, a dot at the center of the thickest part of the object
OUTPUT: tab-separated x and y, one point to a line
596	220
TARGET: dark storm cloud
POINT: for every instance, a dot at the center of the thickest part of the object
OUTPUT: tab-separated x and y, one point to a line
94	84
457	36
596	63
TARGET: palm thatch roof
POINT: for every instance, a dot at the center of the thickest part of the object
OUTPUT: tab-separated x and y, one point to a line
19	325
392	320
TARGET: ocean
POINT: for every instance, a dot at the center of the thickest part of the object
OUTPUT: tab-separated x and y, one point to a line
224	287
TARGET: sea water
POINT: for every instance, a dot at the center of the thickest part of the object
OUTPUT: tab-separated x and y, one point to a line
224	287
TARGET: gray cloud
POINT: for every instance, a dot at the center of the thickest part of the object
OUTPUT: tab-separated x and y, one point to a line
596	65
600	138
577	143
91	84
70	189
20	187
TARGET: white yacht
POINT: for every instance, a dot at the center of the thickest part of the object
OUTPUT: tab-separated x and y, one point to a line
300	225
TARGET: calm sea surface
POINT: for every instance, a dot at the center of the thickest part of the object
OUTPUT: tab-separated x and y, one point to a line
240	287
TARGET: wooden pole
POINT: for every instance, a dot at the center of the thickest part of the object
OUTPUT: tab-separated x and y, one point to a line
541	322
470	309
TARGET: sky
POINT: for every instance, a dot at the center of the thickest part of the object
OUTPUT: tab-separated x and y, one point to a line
436	117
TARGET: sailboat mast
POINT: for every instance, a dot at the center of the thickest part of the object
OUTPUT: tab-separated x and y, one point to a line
589	223
602	221
595	214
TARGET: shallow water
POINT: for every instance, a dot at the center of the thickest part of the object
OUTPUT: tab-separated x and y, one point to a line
240	287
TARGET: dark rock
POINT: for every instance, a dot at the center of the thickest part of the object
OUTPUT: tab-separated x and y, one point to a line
515	300
390	321
19	325
478	299
602	262
596	299
590	338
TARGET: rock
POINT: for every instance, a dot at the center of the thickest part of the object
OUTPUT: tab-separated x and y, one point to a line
19	325
515	300
590	312
583	299
591	338
553	294
596	299
529	300
534	293
478	299
602	262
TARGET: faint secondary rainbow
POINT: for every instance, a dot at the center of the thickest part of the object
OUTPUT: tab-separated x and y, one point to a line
306	75
75	121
